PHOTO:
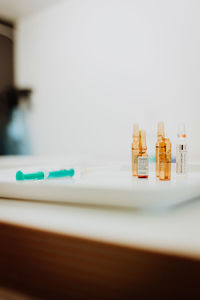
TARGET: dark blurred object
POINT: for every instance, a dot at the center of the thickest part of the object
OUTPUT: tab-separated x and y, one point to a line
6	57
10	99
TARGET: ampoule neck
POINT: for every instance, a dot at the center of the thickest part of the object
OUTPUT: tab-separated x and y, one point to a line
136	130
160	130
142	142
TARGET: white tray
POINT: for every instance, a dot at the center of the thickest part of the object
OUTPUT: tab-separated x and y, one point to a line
104	187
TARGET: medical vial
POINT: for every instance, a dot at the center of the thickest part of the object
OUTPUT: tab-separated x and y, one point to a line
142	160
135	149
181	150
165	159
160	136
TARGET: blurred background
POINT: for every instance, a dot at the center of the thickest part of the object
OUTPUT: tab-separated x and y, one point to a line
76	74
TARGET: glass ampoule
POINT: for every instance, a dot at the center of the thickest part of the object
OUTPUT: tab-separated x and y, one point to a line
165	159
143	160
160	136
135	149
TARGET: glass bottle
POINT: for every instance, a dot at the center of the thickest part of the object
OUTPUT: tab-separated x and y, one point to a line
165	159
181	150
160	136
143	160
135	149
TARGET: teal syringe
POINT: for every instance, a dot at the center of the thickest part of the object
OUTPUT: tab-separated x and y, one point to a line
45	175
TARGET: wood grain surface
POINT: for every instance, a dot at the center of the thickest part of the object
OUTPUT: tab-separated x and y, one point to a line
46	265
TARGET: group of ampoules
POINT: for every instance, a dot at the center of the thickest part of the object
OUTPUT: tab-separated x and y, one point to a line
140	161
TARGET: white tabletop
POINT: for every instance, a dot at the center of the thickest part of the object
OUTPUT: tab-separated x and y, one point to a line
173	231
170	231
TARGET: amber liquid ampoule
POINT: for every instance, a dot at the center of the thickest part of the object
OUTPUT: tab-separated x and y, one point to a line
143	160
160	136
165	159
135	149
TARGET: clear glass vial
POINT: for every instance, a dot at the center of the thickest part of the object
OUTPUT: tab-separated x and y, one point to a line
181	150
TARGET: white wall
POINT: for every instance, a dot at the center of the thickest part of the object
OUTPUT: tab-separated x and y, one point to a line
96	66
